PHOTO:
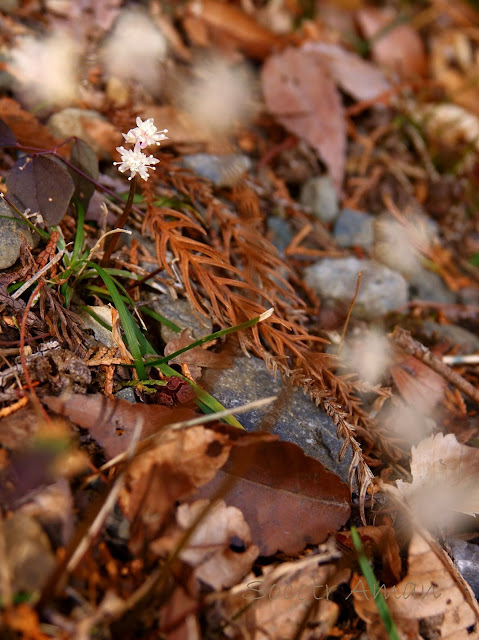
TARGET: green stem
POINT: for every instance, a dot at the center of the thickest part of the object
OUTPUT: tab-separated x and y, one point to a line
113	240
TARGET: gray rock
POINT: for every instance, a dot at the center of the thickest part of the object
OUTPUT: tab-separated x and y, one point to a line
466	559
427	285
11	232
223	171
281	232
335	280
180	313
354	229
299	421
319	195
464	339
127	394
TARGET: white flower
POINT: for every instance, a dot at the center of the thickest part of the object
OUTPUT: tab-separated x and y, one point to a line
135	161
145	133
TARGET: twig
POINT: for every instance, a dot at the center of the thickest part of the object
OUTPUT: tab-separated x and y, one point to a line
175	426
350	310
39	274
38	404
414	348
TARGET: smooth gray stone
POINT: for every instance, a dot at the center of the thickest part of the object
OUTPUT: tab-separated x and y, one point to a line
427	285
223	171
299	420
354	229
10	236
335	280
319	195
183	315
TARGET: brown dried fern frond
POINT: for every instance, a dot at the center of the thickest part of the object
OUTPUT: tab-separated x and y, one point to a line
240	282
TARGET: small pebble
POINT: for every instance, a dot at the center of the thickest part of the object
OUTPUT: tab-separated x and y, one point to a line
319	195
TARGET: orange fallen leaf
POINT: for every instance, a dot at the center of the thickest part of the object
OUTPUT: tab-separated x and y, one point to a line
27	129
230	24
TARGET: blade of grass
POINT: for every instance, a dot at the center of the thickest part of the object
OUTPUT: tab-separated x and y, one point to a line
213	336
374	587
126	319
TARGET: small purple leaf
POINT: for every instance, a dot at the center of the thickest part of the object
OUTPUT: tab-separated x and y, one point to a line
41	184
7	137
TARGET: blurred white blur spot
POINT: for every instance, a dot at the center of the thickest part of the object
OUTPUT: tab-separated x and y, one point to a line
219	97
46	70
406	423
135	51
399	246
368	355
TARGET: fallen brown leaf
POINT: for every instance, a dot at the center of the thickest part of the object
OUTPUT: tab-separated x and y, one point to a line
26	128
300	92
111	421
183	461
273	605
426	603
228	23
197	357
220	548
288	499
358	77
395	45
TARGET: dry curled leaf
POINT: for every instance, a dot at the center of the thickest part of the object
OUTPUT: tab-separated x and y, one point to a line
301	94
183	461
220	548
427	603
273	605
288	499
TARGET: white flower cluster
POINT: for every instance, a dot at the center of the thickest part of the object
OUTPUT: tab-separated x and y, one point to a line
142	136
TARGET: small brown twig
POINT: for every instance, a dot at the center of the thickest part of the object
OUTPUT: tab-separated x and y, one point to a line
26	373
350	310
414	348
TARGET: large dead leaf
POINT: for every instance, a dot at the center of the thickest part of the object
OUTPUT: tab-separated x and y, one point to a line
288	499
420	386
445	480
275	604
111	421
430	602
394	44
355	76
301	94
171	471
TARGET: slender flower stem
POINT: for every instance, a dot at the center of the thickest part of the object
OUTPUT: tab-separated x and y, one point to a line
113	240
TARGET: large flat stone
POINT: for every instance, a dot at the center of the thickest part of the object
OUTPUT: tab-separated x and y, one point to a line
297	420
